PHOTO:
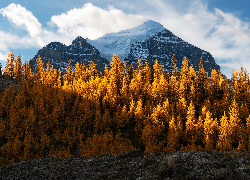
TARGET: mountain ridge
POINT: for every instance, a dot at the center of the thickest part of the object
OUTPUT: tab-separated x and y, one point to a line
149	40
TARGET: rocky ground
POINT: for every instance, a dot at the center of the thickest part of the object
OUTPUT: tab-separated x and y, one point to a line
135	165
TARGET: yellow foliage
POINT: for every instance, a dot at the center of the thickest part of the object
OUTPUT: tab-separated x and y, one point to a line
99	113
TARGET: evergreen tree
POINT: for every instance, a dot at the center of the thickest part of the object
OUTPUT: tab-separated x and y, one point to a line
18	71
39	76
9	68
174	66
172	138
190	123
224	140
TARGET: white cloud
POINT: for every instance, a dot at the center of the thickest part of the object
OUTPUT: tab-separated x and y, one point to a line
93	22
21	17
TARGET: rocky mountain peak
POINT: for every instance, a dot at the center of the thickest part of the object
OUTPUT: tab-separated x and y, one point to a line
149	40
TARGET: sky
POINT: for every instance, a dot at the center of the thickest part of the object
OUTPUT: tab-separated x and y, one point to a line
221	27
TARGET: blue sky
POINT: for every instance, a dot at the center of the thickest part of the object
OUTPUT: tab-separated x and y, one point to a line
221	27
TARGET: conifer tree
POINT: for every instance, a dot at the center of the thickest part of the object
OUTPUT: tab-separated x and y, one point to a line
78	72
191	89
224	140
125	90
202	85
92	69
146	83
18	72
174	66
139	117
28	75
199	133
116	69
158	70
190	123
139	65
39	76
234	123
130	70
172	138
235	84
174	93
210	131
69	75
9	68
183	87
153	135
136	86
123	118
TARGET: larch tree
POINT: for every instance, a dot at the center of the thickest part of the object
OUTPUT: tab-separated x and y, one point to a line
39	76
9	68
68	76
172	138
139	118
235	124
125	91
147	79
153	134
202	85
28	74
136	86
92	69
190	124
174	66
210	131
18	70
224	140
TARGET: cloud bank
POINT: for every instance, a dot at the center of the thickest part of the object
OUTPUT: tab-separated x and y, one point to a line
93	22
224	35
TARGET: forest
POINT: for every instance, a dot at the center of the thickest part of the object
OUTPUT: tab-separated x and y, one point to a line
87	112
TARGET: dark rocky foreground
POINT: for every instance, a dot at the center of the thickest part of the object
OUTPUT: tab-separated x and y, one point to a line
135	165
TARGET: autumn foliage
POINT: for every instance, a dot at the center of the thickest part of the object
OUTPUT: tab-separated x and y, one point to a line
124	108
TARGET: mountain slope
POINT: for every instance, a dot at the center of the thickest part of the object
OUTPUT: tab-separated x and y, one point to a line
80	50
150	41
120	43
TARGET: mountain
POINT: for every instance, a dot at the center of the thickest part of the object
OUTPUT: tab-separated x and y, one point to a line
150	41
80	50
122	41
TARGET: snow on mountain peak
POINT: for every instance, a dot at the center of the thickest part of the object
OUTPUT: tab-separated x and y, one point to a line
119	43
148	28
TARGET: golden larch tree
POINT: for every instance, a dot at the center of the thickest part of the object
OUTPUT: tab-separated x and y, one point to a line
9	68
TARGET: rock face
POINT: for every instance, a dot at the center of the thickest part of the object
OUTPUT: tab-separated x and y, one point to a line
150	41
80	50
162	47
